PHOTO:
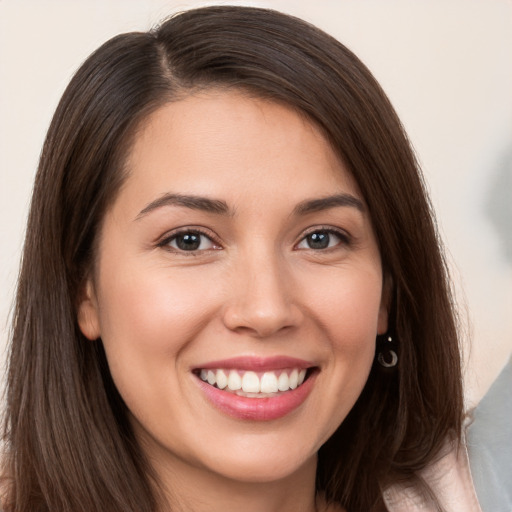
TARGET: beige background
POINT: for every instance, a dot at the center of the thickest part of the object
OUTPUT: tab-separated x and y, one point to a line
446	65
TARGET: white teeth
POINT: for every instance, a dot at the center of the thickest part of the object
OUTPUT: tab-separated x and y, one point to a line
250	383
222	380
234	380
269	383
283	383
294	379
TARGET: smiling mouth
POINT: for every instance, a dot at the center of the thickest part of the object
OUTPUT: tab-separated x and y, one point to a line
253	384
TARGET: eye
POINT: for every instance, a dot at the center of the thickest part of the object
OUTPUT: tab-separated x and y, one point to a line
189	241
322	239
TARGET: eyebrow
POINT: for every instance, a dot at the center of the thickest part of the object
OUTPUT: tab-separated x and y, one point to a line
325	203
220	207
204	204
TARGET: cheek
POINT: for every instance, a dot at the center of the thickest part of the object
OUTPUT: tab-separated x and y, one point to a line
146	320
347	303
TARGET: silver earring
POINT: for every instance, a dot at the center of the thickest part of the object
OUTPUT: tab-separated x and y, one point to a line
387	355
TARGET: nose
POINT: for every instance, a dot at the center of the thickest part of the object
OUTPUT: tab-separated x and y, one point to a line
261	299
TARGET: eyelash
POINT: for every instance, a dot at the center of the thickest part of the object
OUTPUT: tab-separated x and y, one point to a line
345	239
165	243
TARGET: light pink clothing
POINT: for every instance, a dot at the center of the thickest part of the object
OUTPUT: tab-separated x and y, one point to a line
450	480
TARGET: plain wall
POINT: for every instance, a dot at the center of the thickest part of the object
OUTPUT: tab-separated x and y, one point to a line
445	64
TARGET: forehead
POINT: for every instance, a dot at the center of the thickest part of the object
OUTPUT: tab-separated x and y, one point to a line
228	143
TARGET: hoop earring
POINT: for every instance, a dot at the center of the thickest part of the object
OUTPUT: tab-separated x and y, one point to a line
387	356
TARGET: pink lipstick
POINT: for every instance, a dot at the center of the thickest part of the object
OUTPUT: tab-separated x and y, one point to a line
257	389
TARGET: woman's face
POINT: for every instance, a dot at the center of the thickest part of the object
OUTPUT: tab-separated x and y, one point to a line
239	252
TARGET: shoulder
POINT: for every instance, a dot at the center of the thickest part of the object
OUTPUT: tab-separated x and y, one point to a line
448	478
490	446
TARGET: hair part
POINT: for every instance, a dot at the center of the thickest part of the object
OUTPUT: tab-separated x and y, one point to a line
70	446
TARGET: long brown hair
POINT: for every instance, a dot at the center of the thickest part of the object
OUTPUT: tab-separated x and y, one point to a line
69	445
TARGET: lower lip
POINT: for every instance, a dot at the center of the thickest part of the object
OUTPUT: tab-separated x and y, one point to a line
258	409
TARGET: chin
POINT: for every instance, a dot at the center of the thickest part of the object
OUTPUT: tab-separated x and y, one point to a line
261	460
264	470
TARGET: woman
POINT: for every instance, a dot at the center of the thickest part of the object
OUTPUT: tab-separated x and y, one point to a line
232	293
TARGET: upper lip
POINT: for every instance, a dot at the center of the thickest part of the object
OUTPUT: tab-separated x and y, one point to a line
252	363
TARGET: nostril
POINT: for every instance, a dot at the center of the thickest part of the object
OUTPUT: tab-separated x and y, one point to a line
261	322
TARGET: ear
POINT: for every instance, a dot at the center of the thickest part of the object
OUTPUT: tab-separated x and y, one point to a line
88	312
385	304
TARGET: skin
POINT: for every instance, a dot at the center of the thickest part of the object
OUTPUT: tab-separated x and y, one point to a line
254	287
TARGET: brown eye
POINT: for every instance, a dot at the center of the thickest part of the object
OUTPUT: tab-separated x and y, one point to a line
318	240
189	241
